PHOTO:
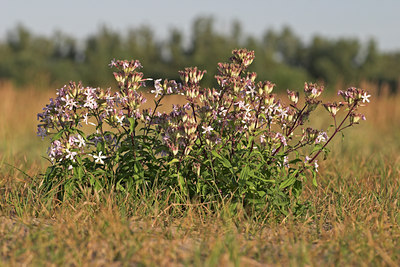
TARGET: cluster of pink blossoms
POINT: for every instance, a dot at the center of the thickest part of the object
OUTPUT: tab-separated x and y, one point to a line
76	108
213	118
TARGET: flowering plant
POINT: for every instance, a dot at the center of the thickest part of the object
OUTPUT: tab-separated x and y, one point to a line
237	142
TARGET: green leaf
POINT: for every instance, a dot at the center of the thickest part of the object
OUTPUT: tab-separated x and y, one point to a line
79	160
81	133
314	180
181	182
58	135
132	125
173	161
225	162
100	146
120	188
92	179
289	181
316	148
244	173
80	172
250	141
250	184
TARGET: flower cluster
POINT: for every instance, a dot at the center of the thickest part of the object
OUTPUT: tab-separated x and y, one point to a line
75	108
240	122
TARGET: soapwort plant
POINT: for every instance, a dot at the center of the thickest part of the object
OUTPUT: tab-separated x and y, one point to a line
236	142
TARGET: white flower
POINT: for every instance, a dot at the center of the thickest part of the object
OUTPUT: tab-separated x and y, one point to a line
240	104
223	111
86	118
69	102
99	158
314	91
71	140
55	150
71	155
120	119
322	137
158	89
365	98
247	108
90	102
113	63
125	65
316	166
89	91
252	90
283	113
80	141
207	129
286	161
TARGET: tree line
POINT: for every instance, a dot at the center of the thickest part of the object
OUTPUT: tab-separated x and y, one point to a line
281	56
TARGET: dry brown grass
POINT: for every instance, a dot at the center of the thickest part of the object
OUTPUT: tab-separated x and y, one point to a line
353	219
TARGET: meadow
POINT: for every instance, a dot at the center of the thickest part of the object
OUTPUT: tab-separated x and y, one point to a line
353	218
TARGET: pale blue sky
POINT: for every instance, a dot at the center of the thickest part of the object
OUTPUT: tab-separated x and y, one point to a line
364	19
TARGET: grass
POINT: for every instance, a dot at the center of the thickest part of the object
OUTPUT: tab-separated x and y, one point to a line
353	218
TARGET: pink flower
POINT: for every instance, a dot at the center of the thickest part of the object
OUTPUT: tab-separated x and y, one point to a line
69	102
281	138
262	138
322	137
113	63
240	104
90	102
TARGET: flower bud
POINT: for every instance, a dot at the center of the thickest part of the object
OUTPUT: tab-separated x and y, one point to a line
293	96
333	108
356	117
268	87
312	90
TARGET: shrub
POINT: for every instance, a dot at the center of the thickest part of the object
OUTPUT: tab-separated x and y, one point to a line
237	142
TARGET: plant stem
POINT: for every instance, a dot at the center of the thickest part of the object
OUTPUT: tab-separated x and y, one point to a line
338	129
294	126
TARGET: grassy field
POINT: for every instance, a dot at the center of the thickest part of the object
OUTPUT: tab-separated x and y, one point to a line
354	218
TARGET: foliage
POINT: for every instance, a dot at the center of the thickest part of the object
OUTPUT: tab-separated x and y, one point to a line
236	142
285	59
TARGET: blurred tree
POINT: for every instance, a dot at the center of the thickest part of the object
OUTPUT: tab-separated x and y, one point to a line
288	46
176	58
100	50
332	61
277	59
281	56
66	59
26	63
208	48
